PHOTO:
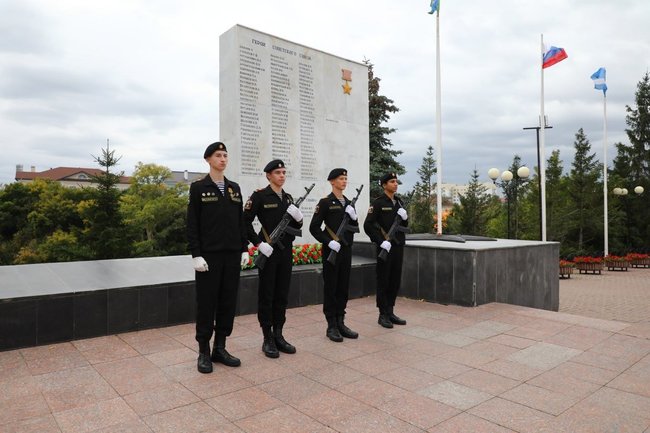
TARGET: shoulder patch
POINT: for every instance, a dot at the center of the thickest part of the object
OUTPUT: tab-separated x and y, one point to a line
317	208
370	209
249	204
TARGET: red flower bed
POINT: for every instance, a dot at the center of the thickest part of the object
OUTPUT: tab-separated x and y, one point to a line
588	259
302	255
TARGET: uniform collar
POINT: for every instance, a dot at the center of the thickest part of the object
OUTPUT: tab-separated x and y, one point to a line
207	180
334	197
269	190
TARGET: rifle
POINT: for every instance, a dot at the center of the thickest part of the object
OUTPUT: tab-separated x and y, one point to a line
282	228
344	227
396	227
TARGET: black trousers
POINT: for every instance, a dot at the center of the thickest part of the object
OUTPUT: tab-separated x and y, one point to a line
336	281
273	288
216	294
389	275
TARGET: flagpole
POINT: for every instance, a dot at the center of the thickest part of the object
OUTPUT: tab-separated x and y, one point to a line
605	216
542	159
438	128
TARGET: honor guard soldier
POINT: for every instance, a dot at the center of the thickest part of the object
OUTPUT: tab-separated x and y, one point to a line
382	214
331	210
269	206
217	241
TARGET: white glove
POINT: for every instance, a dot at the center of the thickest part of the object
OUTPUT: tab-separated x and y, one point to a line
386	245
402	213
265	249
334	246
200	265
244	259
350	211
294	212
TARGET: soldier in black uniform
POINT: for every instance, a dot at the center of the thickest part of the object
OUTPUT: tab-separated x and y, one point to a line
217	241
331	210
381	214
269	206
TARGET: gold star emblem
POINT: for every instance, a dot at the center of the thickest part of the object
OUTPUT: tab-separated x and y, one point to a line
347	88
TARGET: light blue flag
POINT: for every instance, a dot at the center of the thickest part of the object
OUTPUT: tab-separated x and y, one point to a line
435	6
599	80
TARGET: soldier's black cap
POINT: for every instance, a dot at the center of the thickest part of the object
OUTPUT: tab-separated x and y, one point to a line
213	148
274	165
388	176
336	173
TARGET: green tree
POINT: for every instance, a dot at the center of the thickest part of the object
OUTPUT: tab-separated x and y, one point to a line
632	169
382	155
155	213
471	216
586	199
422	202
104	230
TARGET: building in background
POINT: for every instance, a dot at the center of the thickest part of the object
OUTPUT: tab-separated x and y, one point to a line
73	177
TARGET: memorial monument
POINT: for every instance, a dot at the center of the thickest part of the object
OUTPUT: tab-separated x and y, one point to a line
279	99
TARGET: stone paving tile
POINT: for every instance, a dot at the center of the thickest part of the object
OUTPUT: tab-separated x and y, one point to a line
455	395
467	423
243	403
150	341
283	419
373	391
104	349
409	378
172	357
335	375
96	416
557	381
585	373
131	375
512	341
418	410
73	359
372	364
137	426
73	388
44	424
220	382
514	416
470	358
194	418
373	421
22	408
331	407
543	356
492	349
589	418
541	399
484	381
293	388
160	399
440	367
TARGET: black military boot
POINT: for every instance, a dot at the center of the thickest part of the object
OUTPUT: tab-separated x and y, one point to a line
268	347
220	354
282	344
203	364
384	320
344	330
394	319
333	330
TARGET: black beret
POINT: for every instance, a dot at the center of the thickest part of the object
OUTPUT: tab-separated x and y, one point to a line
336	173
213	148
274	165
388	176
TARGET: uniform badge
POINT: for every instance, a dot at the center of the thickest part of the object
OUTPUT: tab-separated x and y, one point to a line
370	210
317	208
248	205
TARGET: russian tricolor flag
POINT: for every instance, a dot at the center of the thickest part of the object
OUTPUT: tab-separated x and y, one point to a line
552	56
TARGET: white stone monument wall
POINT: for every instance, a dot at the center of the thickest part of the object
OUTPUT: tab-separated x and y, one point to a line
279	99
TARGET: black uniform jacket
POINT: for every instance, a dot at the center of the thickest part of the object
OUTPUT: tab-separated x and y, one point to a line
214	222
381	215
269	209
330	211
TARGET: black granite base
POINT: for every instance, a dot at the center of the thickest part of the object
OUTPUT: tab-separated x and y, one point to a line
50	318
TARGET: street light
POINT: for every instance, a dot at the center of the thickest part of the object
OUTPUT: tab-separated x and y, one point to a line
622	192
511	190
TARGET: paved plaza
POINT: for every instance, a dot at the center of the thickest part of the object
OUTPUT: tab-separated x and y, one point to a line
495	368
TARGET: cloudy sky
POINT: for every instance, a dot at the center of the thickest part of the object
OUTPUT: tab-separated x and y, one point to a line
144	73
